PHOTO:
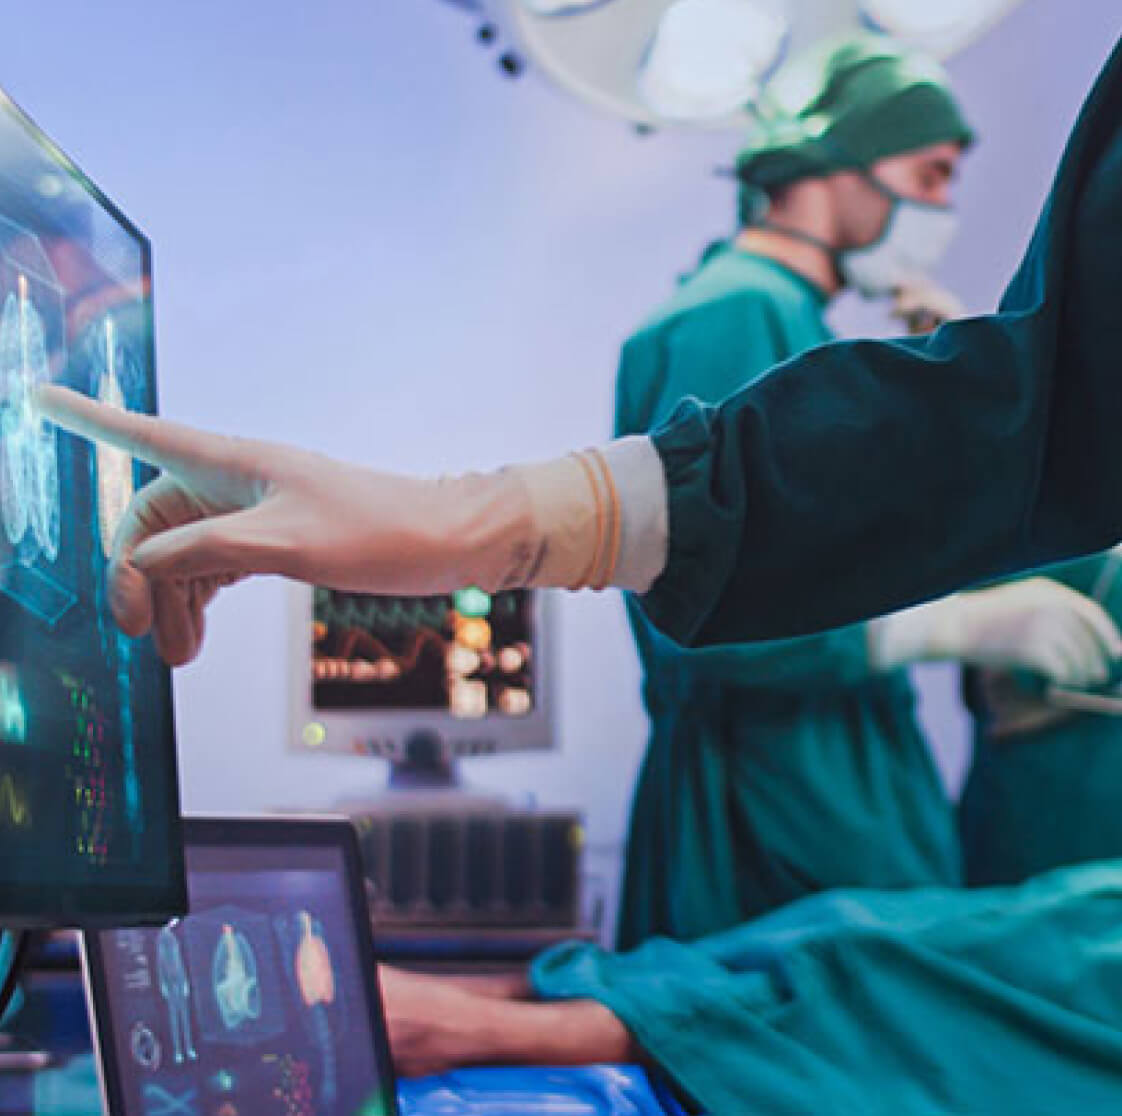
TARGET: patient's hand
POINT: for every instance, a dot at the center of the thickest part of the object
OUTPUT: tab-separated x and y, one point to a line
435	1025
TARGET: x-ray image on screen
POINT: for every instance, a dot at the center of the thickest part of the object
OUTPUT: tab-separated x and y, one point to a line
89	815
32	338
29	494
119	377
231	958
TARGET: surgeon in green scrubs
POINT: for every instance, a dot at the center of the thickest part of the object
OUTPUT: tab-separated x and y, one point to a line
777	769
1045	785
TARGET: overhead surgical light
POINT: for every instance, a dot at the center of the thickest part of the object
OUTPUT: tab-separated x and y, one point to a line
709	58
664	62
701	62
940	28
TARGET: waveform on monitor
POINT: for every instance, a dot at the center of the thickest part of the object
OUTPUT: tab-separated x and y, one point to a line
14	809
396	613
365	658
384	613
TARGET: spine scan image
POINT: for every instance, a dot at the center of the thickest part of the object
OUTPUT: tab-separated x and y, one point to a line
29	484
114	466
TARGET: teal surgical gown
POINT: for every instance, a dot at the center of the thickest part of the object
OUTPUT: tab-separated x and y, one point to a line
773	769
1051	796
865	476
865	1003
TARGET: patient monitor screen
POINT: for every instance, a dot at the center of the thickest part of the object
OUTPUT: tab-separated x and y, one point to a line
469	654
88	804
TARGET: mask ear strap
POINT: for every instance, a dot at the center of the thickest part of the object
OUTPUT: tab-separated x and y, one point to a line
896	198
756	208
881	188
798	234
833	253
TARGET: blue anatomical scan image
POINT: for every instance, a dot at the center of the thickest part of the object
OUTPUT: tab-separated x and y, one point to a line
88	801
253	1004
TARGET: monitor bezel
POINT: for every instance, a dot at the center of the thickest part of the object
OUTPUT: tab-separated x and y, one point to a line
98	903
381	734
270	832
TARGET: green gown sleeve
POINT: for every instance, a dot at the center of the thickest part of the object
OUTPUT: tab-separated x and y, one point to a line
867	476
707	354
1094	577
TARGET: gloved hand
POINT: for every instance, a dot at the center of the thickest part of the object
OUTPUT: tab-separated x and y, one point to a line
224	508
1037	625
924	306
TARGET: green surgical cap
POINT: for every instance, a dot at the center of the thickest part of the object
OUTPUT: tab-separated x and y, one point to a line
869	100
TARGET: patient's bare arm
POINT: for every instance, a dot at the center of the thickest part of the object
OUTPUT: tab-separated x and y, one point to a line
438	1024
493	986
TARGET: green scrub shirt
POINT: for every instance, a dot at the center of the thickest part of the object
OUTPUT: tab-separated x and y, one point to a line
865	476
925	1002
1052	796
773	769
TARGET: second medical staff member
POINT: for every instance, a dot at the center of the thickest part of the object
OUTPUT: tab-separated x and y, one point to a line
781	768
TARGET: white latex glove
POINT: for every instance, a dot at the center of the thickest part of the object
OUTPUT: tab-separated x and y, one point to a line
924	306
1037	625
224	508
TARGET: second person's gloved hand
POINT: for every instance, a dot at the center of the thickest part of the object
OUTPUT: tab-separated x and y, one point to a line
1036	625
924	306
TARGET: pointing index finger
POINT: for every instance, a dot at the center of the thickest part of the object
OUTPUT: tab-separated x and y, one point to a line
166	445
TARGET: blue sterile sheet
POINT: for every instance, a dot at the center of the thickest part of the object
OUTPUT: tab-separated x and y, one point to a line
589	1091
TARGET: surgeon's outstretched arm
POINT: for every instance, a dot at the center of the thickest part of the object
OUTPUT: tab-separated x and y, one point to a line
227	508
848	483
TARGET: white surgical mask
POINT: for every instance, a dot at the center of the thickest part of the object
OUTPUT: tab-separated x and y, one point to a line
914	239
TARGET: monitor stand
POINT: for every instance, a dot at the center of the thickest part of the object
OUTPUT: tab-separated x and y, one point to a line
424	777
425	766
16	1055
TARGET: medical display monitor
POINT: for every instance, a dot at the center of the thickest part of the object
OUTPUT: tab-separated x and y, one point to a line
89	811
469	671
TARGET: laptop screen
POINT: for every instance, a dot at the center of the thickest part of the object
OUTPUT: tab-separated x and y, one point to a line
263	1000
